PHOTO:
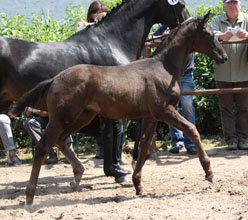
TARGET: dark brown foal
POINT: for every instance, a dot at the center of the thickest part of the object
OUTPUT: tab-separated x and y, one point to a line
148	88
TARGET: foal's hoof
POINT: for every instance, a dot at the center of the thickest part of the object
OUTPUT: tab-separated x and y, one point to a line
29	201
139	192
209	178
74	186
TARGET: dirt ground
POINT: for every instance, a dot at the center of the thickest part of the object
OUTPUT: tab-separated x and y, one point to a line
174	188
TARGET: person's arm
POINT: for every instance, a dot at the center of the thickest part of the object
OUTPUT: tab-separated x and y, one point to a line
30	111
161	30
218	34
242	34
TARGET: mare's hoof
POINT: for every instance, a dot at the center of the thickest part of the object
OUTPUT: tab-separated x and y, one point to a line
74	186
209	178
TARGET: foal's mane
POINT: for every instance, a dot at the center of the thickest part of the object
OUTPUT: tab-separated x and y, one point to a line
167	40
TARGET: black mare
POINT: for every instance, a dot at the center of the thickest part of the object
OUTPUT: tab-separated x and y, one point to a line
117	39
148	89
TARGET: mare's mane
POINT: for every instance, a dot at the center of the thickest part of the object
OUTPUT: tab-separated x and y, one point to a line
167	40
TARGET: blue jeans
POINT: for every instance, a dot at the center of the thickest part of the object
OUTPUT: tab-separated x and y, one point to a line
188	112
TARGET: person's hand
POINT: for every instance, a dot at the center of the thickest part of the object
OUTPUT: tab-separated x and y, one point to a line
166	31
28	111
242	34
42	113
225	36
11	115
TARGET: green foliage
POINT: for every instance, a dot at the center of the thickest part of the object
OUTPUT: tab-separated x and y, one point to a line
207	109
44	29
111	3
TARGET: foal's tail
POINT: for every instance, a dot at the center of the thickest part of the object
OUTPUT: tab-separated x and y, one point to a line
31	97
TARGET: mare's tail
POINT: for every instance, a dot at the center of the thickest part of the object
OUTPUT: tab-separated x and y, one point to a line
31	97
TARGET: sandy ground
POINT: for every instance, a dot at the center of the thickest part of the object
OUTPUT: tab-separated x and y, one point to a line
174	188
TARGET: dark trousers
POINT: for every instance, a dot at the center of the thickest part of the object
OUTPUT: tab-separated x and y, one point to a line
234	112
111	135
137	138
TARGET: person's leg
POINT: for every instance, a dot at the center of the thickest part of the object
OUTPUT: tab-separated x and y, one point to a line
188	109
177	140
100	153
226	102
35	128
117	138
241	101
8	140
137	139
108	142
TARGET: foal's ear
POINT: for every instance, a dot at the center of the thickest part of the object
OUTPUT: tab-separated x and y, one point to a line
204	19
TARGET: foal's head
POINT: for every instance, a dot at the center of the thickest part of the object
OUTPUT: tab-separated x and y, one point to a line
169	11
205	42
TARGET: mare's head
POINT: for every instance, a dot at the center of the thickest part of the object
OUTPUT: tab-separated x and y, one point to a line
205	42
171	12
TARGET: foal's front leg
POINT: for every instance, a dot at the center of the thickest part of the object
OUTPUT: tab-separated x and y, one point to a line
147	136
173	118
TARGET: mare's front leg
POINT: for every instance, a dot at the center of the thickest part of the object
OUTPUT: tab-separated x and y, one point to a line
173	118
41	151
147	136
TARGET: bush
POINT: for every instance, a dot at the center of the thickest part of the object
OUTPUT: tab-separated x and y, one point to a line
42	28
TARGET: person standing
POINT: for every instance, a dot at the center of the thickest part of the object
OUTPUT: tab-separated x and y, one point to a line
8	140
179	139
36	126
233	74
111	130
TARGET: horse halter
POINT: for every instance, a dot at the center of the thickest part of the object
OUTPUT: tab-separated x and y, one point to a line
173	3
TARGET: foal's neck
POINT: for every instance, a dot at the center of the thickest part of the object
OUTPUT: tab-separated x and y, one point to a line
173	52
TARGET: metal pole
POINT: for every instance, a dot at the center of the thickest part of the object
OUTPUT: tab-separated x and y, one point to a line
215	91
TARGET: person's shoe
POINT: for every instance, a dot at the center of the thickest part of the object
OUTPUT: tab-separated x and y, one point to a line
119	175
243	145
175	149
119	168
53	158
13	159
191	151
99	155
232	146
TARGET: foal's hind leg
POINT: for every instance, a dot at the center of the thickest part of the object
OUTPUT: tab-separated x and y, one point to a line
82	120
147	136
173	118
41	152
77	167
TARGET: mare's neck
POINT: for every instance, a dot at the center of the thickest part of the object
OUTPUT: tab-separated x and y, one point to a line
123	31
